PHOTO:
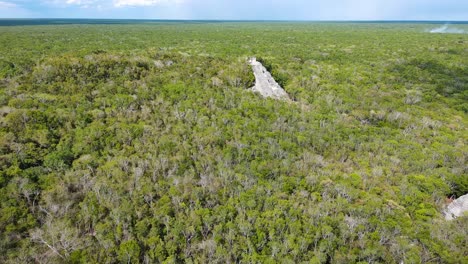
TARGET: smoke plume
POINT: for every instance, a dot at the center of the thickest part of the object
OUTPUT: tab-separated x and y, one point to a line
446	29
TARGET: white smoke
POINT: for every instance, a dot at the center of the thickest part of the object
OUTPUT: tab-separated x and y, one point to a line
446	29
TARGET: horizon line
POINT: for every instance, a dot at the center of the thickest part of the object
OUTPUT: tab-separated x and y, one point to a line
240	20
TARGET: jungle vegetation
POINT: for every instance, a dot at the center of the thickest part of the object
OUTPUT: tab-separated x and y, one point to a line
141	143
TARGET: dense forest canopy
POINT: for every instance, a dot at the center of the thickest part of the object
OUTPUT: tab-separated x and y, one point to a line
142	143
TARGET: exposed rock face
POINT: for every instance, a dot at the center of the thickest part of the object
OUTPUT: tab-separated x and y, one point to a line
457	208
264	82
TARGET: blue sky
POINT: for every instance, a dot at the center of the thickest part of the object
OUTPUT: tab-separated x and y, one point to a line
239	9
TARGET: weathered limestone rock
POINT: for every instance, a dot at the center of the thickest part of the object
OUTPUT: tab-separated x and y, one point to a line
264	82
457	208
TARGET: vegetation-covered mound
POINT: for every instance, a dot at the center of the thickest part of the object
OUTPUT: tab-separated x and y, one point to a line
142	143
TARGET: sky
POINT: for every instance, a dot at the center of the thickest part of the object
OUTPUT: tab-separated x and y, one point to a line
444	10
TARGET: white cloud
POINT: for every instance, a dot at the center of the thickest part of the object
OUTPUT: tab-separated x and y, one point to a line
7	5
13	10
114	3
122	3
80	2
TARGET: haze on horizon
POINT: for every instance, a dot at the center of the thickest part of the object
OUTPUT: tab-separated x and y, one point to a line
448	10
